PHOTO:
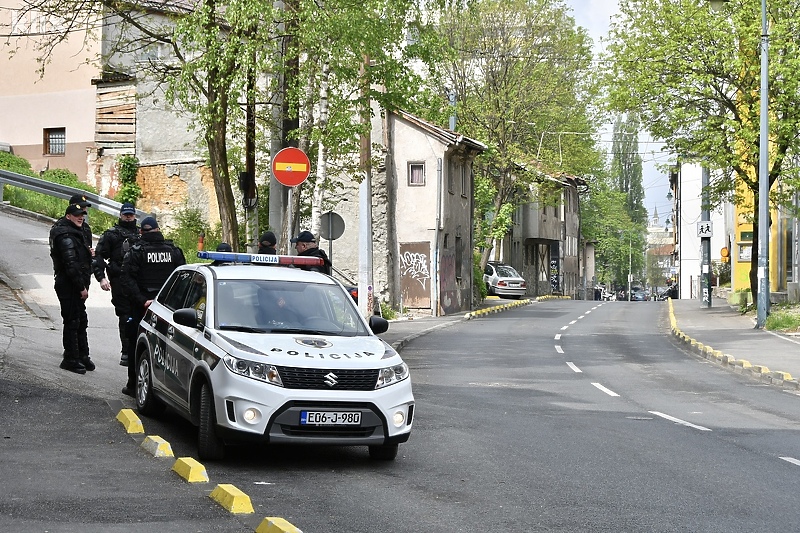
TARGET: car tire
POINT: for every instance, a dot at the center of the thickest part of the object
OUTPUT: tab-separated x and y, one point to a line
209	445
385	452
489	291
146	401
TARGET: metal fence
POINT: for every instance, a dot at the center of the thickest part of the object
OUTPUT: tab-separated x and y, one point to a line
106	205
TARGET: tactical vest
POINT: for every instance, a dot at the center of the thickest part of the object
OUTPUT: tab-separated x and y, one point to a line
158	260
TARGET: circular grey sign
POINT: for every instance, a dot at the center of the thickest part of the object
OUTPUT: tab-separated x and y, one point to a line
331	226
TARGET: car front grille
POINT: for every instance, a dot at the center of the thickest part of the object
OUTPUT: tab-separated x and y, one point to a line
327	379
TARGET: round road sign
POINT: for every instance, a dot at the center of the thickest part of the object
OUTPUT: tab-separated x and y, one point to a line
291	166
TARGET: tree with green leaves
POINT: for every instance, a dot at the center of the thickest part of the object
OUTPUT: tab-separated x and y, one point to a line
626	166
520	70
693	76
199	58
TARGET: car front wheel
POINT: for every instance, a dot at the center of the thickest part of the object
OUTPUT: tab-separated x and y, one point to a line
209	445
146	401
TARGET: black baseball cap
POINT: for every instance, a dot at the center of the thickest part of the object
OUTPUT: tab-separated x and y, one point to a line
305	236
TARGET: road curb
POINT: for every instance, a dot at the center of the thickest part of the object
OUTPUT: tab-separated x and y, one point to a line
741	366
228	496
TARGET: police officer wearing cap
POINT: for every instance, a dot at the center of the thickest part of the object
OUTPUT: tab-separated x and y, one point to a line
71	252
266	244
307	246
107	266
145	268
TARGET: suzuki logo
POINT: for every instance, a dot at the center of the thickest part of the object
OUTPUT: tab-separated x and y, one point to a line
331	379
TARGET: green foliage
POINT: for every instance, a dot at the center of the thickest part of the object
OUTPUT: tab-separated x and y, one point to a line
191	225
480	291
387	312
783	320
130	190
16	164
516	94
693	75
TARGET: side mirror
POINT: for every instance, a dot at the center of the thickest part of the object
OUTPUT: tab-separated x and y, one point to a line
187	317
378	324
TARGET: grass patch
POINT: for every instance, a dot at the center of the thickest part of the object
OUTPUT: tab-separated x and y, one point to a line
783	317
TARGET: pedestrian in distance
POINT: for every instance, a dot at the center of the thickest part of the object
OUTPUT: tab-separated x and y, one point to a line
108	255
145	268
307	246
71	252
266	244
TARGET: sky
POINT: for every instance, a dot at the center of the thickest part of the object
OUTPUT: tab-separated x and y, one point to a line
595	16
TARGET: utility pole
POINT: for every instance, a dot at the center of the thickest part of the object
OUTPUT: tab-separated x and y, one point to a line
705	240
365	287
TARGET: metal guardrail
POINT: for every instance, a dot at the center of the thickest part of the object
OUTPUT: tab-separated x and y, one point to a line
106	205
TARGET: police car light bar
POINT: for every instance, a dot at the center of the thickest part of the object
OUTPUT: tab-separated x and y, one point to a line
233	257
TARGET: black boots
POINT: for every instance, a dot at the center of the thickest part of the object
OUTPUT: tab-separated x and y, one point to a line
87	362
73	365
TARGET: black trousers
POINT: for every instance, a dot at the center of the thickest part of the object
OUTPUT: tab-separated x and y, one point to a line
132	330
122	308
73	314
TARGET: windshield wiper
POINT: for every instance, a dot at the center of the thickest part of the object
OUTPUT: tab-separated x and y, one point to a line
244	329
300	330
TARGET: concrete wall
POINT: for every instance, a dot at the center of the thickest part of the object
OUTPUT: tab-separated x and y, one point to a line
62	98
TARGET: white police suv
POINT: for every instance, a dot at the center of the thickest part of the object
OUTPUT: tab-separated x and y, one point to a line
249	351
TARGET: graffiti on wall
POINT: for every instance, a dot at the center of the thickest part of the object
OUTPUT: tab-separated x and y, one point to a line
555	281
414	274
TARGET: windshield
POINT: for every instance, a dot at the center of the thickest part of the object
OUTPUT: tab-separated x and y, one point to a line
505	271
258	306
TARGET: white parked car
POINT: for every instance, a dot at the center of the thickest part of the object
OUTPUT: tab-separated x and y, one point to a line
253	352
503	280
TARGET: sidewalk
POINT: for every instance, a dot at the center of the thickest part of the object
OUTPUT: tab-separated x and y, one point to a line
722	334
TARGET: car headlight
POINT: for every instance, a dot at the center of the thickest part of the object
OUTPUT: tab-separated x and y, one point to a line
251	369
391	375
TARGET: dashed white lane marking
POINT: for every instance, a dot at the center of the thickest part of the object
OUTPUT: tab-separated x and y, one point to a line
679	421
580	317
564	327
572	322
791	460
607	391
574	368
558	336
587	312
558	349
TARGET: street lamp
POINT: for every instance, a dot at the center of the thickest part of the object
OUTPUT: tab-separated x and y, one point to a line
762	303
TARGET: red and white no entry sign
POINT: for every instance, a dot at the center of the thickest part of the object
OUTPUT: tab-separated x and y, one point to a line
291	166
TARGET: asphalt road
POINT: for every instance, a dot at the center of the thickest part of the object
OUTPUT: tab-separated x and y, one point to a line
556	416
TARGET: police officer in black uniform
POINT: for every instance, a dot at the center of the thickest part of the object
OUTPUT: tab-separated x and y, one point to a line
71	252
108	256
145	268
266	244
307	246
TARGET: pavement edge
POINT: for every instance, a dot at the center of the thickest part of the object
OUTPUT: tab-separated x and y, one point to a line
742	366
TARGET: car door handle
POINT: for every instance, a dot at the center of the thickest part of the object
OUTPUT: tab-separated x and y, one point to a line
171	331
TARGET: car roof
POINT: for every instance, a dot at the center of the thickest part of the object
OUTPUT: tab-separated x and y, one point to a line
238	271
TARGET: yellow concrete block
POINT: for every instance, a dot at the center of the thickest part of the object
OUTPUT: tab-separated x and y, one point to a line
728	359
783	376
232	499
717	354
276	524
190	470
743	363
759	369
157	447
130	421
